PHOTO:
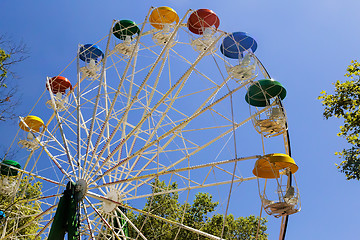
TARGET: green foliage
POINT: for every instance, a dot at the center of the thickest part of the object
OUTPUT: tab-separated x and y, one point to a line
194	215
163	205
240	228
3	70
20	212
344	104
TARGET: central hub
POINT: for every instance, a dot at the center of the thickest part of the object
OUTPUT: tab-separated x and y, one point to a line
81	188
109	206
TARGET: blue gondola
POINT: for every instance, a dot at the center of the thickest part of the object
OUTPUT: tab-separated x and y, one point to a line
89	52
236	43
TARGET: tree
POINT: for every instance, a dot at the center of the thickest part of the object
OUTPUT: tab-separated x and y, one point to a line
19	212
10	54
344	104
194	215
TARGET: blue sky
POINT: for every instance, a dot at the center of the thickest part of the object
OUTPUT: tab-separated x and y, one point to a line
306	45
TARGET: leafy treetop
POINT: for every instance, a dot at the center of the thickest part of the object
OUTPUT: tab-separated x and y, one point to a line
20	212
344	104
195	215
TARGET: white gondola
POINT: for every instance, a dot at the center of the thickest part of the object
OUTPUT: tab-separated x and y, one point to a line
244	70
60	102
92	69
287	203
271	122
7	184
30	143
201	44
163	36
125	47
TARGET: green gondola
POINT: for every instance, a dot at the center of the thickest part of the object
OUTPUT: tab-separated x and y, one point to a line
260	92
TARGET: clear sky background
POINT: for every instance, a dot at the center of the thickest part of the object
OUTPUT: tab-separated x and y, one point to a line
306	45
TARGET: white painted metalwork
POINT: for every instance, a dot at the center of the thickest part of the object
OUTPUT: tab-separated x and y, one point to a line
244	69
286	202
272	122
148	112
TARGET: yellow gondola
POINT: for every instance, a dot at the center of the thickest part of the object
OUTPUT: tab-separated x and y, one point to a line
286	199
163	15
269	166
34	123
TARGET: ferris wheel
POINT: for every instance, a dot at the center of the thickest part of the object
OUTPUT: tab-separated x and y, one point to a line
172	99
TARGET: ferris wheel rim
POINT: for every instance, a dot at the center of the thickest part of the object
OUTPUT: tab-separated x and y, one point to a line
74	172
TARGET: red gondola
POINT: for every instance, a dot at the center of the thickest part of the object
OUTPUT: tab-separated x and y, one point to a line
59	84
202	19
